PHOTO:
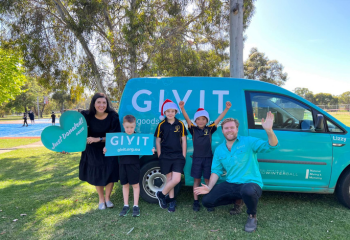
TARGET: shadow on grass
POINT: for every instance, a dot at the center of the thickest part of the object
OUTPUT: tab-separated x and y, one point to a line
38	183
281	215
45	186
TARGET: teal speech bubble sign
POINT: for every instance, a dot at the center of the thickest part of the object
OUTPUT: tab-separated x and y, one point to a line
69	137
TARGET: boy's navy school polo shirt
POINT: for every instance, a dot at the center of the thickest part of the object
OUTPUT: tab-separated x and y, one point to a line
170	135
202	140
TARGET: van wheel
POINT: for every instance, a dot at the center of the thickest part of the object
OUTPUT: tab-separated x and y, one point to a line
343	189
152	180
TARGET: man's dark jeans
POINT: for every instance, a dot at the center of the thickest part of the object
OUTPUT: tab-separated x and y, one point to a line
226	193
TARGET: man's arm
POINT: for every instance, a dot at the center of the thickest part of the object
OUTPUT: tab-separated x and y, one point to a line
267	125
184	146
188	120
222	115
158	146
204	189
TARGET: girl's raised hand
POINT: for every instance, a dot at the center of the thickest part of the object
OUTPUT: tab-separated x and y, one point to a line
228	104
182	104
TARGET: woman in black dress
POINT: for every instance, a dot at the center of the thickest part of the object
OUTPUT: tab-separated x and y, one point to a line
94	167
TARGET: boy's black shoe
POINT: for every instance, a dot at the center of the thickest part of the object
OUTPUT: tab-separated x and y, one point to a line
161	199
252	224
124	211
171	207
211	209
168	199
135	211
196	206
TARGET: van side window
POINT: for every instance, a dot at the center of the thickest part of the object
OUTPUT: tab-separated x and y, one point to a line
289	113
333	128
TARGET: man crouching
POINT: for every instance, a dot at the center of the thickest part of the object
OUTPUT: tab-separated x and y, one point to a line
237	155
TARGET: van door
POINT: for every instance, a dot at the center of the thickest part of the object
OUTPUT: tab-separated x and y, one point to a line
304	158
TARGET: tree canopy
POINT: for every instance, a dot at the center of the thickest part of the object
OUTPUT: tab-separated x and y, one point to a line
12	75
259	67
101	44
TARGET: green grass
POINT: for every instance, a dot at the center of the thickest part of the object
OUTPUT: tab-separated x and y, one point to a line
343	117
11	118
45	186
9	143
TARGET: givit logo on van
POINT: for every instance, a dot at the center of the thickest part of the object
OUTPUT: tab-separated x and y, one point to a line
148	104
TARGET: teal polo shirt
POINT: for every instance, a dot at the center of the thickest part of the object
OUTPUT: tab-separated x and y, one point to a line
241	163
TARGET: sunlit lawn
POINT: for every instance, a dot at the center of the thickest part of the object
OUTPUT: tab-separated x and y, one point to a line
344	117
9	143
11	118
45	186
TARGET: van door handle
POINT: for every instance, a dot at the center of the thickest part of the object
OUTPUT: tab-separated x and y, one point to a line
338	144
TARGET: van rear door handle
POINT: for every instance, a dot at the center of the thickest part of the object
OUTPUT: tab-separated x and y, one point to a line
338	144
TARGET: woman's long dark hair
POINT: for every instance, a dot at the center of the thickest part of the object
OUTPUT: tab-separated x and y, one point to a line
92	110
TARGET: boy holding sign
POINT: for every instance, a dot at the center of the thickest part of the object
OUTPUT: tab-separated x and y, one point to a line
129	171
171	149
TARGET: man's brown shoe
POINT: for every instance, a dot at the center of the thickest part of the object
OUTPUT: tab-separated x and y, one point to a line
237	207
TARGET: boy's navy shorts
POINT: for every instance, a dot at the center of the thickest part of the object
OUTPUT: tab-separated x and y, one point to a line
201	165
129	173
172	165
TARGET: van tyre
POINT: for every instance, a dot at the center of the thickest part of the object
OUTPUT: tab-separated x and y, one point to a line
343	189
152	180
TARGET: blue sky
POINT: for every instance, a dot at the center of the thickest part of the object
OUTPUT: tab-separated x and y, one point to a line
311	38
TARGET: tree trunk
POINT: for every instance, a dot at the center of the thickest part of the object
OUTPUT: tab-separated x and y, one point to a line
133	49
236	38
42	111
72	26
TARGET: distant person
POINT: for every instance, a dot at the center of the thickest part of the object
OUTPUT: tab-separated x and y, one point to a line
53	117
25	119
31	117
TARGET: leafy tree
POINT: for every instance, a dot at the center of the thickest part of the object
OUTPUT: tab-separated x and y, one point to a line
117	40
61	98
305	93
12	75
325	99
259	67
345	98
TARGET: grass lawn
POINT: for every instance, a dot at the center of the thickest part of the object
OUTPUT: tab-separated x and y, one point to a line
11	118
343	117
8	143
45	186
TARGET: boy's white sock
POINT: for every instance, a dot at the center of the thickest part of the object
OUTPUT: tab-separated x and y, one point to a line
136	205
126	205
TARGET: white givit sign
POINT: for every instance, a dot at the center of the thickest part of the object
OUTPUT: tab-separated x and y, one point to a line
148	104
115	140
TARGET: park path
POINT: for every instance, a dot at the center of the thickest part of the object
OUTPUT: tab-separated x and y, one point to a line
32	145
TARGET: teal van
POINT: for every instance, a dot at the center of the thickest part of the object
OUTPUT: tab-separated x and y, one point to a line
313	156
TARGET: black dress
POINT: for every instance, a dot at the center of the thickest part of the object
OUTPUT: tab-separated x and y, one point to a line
94	167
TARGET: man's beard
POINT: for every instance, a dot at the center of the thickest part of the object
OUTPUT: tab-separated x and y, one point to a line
231	139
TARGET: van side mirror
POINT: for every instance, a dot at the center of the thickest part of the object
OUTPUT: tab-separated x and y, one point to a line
319	126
